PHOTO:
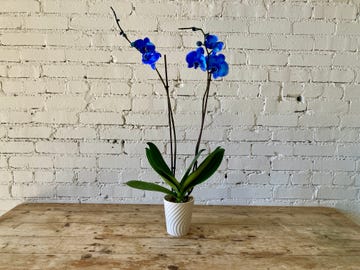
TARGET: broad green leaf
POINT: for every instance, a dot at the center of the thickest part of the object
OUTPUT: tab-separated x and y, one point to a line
159	165
205	170
190	167
149	186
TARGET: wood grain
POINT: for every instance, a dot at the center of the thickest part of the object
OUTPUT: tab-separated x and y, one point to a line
88	236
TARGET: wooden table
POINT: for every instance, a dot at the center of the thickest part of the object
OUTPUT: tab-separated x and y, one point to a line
88	236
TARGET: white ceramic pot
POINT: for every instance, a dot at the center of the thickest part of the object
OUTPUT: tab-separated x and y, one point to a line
178	217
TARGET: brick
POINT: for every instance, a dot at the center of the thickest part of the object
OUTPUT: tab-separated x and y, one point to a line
74	162
16	147
331	193
238	134
45	22
91	23
227	25
4	192
335	43
48	55
248	74
5	177
352	92
98	147
23	176
150	119
313	60
15	117
56	147
9	55
64	6
116	191
334	165
64	176
65	103
346	59
292	74
284	106
322	178
108	72
104	118
20	6
211	193
259	178
314	150
277	120
244	105
291	164
351	120
33	191
64	71
262	149
257	163
251	192
76	191
109	177
270	26
293	135
24	71
21	102
30	162
292	42
36	39
276	59
294	192
60	117
314	27
243	10
279	178
88	56
44	176
259	42
349	150
328	107
202	9
86	176
318	120
102	7
75	133
342	12
348	28
343	179
118	162
121	133
111	103
301	178
67	39
289	10
10	22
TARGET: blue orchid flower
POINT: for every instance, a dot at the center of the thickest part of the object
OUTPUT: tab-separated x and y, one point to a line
212	43
196	59
149	55
217	65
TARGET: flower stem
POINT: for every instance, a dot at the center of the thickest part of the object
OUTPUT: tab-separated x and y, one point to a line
203	114
122	32
172	131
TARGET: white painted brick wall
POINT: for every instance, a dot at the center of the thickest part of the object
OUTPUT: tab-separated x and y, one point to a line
77	106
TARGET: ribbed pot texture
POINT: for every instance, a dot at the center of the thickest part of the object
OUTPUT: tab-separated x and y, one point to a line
178	217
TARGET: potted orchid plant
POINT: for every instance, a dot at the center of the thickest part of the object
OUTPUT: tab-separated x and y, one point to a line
208	58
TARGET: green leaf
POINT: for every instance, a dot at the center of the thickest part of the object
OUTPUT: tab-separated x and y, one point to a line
190	167
149	186
205	170
159	165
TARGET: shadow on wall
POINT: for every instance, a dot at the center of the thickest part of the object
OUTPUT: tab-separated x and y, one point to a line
351	209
